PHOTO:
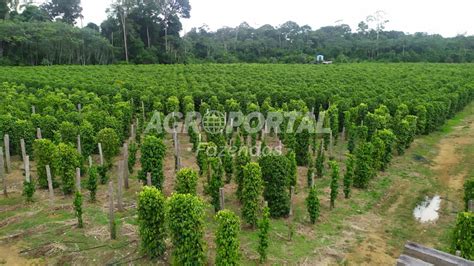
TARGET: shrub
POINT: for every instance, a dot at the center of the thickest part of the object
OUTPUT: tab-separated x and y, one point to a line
227	238
241	160
468	192
349	176
263	229
92	183
186	181
110	142
275	172
132	156
44	153
153	152
310	175
66	162
215	182
313	205
186	223
228	162
78	208
334	182
103	177
388	138
363	165
151	221
29	189
463	235
251	192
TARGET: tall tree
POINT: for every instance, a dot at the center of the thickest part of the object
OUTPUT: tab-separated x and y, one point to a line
67	11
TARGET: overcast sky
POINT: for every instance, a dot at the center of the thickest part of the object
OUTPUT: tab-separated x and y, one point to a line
448	18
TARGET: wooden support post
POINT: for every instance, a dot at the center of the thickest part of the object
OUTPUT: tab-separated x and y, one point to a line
148	179
125	165
470	205
176	151
132	132
137	123
199	138
27	169
111	211
50	182
221	198
78	179
79	107
38	133
101	155
120	185
3	176
79	148
90	161
33	109
23	149
312	180
292	192
6	140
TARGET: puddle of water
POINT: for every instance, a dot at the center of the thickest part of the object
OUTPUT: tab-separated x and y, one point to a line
427	210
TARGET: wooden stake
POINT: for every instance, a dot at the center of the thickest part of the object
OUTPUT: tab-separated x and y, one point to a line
33	109
23	149
101	155
125	165
111	211
148	179
3	176
79	107
120	185
132	132
79	148
78	179
27	169
292	192
471	205
176	151
38	133
6	139
50	182
221	198
90	161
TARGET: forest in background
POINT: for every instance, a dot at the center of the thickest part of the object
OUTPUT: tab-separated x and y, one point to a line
149	32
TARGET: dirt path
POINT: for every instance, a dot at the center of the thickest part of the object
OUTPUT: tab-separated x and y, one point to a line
449	167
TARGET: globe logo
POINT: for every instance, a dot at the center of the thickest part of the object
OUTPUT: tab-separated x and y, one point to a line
213	122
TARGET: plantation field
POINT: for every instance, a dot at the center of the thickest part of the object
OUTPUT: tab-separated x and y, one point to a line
399	132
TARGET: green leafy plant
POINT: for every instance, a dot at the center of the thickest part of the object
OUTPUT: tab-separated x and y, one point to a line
263	231
216	181
334	182
78	209
349	176
251	193
110	142
186	224
29	189
227	238
468	192
313	205
186	181
241	160
44	153
151	221
320	161
66	162
275	173
463	235
153	152
92	183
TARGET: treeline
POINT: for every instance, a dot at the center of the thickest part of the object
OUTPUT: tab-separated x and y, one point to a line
291	43
148	32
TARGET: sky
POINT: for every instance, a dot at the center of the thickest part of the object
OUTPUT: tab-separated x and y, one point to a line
448	18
